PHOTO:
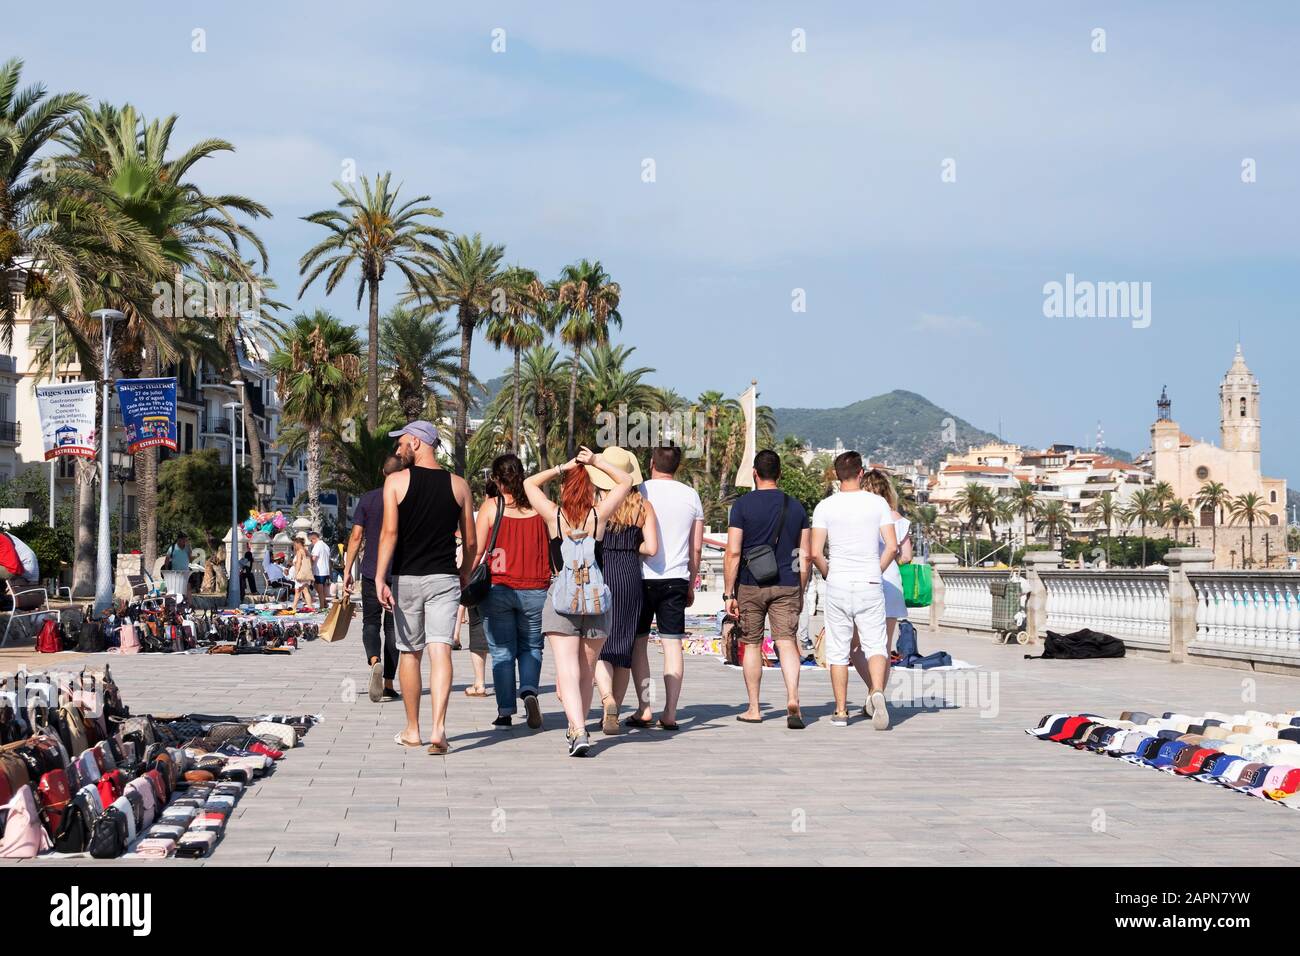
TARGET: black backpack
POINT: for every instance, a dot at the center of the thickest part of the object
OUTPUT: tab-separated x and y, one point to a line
1080	645
91	638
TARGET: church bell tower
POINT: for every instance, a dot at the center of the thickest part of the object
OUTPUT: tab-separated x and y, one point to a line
1239	408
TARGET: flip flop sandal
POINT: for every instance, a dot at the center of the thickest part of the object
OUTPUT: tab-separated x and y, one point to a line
663	726
469	693
749	720
397	739
639	723
439	750
793	719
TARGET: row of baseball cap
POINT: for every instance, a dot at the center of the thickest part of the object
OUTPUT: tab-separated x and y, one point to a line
1254	752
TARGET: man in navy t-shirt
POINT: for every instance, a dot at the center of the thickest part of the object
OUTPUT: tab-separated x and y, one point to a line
768	518
367	520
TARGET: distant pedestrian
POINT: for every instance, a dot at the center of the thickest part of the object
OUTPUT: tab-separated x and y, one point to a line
301	573
320	568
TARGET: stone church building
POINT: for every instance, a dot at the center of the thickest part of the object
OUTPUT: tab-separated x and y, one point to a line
1187	465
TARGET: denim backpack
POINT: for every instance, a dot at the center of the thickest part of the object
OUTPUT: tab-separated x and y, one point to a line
579	586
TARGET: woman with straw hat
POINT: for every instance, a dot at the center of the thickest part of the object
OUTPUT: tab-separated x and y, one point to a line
632	533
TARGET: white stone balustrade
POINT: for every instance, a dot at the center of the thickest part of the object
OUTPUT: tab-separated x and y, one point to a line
1250	612
967	600
1131	605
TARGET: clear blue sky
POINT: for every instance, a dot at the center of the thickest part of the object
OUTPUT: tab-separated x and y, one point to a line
778	170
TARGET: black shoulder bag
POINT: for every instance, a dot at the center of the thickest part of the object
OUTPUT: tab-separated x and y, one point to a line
761	559
480	579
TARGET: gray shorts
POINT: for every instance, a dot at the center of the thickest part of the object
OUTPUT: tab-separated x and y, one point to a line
590	626
425	608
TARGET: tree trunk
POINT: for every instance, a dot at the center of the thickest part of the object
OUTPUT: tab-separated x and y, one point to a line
466	316
146	484
313	474
543	437
569	447
514	434
86	514
372	360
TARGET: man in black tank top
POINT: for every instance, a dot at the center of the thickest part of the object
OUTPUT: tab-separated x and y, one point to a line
417	576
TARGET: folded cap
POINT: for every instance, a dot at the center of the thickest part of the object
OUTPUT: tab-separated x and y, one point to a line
1068	728
1169	733
1287	785
1228	770
1137	716
1166	755
1195	760
1190	738
1049	725
1246	775
1272	780
1214	763
1289	733
1216	732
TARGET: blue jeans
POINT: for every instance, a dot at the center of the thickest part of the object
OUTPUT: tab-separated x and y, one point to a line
512	622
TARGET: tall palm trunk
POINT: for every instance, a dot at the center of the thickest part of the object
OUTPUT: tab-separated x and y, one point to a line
87	512
569	447
146	486
313	474
514	431
543	434
372	359
467	317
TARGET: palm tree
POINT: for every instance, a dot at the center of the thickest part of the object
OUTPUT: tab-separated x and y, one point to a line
1024	501
465	276
927	518
1053	519
418	354
318	368
1248	507
1215	496
1004	512
711	405
370	230
976	502
130	160
1178	513
519	325
357	465
1103	511
589	298
541	381
1144	508
1164	492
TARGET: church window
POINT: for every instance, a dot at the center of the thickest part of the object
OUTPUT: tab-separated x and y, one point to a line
1243	406
1272	497
1202	473
1272	519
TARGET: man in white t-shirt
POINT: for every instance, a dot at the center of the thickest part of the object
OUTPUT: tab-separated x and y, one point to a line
854	522
320	568
668	582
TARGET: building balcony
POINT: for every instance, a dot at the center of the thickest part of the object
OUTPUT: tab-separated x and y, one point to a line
216	426
188	394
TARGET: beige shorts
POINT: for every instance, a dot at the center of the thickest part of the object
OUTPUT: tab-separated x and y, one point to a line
425	610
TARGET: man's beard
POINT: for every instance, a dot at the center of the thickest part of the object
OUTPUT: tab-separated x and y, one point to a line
407	456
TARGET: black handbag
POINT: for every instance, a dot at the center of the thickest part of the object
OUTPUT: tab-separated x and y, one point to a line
480	579
761	559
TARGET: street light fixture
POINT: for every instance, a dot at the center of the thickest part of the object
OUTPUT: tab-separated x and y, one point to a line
232	583
108	318
123	471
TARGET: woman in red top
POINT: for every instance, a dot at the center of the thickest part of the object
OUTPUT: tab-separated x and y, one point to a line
512	611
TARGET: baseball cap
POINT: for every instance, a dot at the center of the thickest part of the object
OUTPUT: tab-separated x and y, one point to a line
1195	760
1049	725
1217	761
1288	785
1253	776
1068	728
1169	733
1272	780
1216	732
1165	756
425	431
1245	775
1227	770
1137	716
1289	733
1148	749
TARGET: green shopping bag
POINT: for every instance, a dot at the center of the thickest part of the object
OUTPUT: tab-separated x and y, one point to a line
916	584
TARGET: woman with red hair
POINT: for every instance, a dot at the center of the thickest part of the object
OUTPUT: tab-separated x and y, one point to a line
576	637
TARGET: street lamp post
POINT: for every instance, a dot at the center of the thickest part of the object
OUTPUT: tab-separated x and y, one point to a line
123	471
104	558
232	585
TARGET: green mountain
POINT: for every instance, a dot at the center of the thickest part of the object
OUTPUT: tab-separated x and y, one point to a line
898	427
481	400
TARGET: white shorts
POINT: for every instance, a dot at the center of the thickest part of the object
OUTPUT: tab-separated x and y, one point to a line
425	610
855	605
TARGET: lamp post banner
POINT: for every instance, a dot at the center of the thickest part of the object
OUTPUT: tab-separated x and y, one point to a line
148	412
68	419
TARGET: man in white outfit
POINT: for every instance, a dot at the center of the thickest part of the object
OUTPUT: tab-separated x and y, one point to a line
854	522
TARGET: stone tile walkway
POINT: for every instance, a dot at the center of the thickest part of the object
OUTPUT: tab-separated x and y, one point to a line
955	783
